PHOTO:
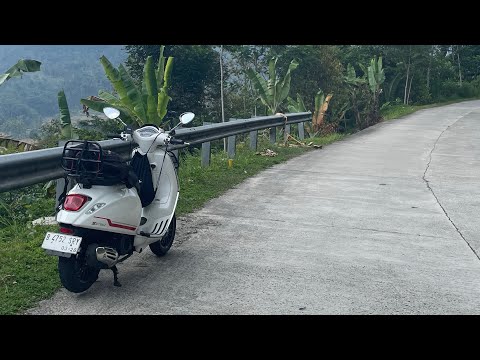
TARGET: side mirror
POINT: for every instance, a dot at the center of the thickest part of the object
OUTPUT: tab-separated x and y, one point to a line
185	118
111	113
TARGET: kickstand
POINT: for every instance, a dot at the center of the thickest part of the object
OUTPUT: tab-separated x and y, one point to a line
115	276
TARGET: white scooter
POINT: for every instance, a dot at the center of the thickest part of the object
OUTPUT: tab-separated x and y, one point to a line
115	208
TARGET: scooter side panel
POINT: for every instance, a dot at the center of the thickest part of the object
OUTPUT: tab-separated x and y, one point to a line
160	211
120	214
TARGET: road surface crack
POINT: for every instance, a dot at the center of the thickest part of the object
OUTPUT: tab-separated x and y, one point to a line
435	196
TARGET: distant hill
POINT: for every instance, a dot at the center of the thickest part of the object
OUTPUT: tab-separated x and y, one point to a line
25	103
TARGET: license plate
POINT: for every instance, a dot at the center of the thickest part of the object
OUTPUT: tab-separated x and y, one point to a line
61	242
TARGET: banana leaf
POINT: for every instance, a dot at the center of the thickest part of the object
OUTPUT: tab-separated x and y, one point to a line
351	72
108	97
163	100
260	85
168	72
296	106
22	65
3	77
301	104
150	92
272	81
116	80
65	120
134	96
160	68
149	78
283	88
372	82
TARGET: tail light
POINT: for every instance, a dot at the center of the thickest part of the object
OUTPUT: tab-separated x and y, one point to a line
67	231
74	202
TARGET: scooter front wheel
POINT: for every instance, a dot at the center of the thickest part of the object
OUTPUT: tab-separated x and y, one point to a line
75	275
162	246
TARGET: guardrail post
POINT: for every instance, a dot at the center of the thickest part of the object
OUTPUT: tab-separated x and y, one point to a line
253	140
206	150
273	135
231	146
286	132
301	131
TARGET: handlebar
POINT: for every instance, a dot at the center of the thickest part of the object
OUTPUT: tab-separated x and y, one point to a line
113	135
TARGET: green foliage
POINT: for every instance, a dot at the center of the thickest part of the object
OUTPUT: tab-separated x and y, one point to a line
22	66
352	79
139	105
376	75
65	121
26	104
194	80
96	128
296	106
27	275
273	91
22	205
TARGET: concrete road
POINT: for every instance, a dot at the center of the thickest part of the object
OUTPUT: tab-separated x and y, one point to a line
383	222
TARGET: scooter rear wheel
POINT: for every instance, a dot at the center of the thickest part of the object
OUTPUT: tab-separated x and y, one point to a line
75	275
162	246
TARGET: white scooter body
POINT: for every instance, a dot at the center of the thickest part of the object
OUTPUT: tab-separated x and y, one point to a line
118	209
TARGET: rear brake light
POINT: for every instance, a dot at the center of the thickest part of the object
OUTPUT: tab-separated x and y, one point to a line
74	202
64	230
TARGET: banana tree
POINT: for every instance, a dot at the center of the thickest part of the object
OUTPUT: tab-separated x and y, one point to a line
321	107
22	66
274	90
354	86
147	104
376	77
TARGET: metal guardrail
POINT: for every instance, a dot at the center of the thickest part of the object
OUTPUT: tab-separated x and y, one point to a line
37	166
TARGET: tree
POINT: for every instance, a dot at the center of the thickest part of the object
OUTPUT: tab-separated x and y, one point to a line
195	77
137	105
375	77
241	97
273	91
221	94
319	68
355	87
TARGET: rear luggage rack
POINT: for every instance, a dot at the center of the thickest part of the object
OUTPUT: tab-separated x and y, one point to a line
83	160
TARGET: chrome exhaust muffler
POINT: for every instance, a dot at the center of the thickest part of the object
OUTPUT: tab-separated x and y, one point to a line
107	255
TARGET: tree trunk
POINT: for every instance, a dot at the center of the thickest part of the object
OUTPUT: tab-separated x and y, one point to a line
428	70
356	113
459	68
409	88
221	94
406	80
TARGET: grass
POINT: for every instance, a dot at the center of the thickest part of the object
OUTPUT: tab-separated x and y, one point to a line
397	111
28	275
